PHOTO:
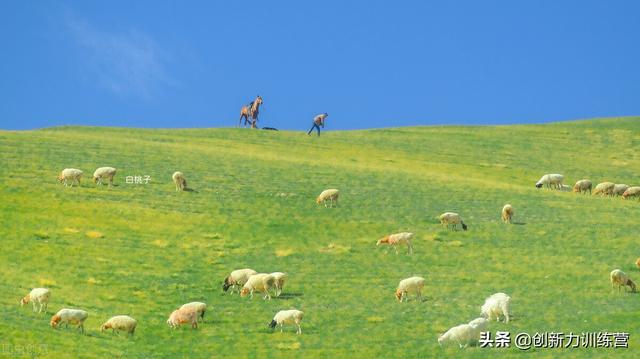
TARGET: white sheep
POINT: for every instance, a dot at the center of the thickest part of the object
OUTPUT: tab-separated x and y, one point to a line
409	285
237	278
280	279
620	278
507	213
291	316
39	297
631	192
565	188
396	239
104	173
67	316
495	306
69	176
179	180
198	307
461	334
619	189
465	333
604	189
120	323
183	316
451	219
260	282
582	186
552	180
330	195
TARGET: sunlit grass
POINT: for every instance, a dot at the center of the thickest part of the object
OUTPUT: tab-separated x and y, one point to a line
145	249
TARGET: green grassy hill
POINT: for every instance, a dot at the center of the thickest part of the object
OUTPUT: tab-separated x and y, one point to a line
145	249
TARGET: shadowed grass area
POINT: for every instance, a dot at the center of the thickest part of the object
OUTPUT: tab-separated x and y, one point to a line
145	249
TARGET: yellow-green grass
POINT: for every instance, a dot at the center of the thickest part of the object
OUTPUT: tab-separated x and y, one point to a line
145	249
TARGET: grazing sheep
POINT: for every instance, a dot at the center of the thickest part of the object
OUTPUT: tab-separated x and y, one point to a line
553	180
179	180
507	213
582	186
291	316
461	334
102	173
495	306
73	316
452	219
465	333
237	277
183	316
619	189
120	323
397	239
620	279
69	176
280	279
260	282
39	297
412	284
198	307
330	195
631	192
604	189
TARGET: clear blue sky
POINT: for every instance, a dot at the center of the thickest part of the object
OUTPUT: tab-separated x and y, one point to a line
366	63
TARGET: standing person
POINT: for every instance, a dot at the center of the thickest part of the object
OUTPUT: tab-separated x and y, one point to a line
318	122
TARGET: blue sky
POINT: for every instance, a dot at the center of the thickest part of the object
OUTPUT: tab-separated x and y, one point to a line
366	63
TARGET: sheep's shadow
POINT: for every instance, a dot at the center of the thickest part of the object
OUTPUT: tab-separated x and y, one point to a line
289	295
190	190
519	223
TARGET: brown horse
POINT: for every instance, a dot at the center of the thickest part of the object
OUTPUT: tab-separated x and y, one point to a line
250	112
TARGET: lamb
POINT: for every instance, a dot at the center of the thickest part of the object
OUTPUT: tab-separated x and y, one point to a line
631	192
69	176
280	279
330	195
237	277
291	316
397	239
102	173
73	316
39	297
553	180
453	219
183	316
465	333
180	181
120	323
495	306
638	263
198	307
604	189
260	282
565	188
582	186
620	279
412	284
507	213
619	189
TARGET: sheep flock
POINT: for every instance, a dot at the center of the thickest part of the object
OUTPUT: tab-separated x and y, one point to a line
247	282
